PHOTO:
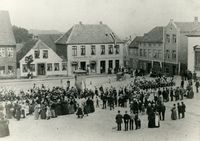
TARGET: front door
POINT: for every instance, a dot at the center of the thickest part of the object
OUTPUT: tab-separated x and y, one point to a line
83	65
103	66
41	69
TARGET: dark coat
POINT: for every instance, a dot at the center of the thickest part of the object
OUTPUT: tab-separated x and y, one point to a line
119	118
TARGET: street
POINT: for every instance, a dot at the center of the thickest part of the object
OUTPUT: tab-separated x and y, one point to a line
101	126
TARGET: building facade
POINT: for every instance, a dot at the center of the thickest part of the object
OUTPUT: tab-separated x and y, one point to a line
194	51
133	52
150	50
45	61
176	45
7	47
94	48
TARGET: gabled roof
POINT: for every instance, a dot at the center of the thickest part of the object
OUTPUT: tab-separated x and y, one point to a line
135	42
187	26
25	49
6	32
89	34
194	33
49	39
154	36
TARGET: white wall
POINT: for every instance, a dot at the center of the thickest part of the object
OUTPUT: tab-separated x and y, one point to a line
52	58
192	41
97	57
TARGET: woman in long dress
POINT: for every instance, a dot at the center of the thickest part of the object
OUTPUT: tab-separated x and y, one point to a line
174	113
43	111
36	111
157	120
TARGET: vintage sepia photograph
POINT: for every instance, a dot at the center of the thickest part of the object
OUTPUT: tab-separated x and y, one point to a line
99	70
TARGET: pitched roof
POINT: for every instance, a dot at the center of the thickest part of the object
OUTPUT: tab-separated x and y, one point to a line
155	35
25	49
6	32
89	34
49	39
195	32
187	26
135	42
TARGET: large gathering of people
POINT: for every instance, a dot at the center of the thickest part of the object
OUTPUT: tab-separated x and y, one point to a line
142	96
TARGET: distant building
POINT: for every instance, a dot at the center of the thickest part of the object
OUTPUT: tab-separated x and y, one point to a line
176	45
7	47
45	61
94	48
133	52
150	50
126	59
194	51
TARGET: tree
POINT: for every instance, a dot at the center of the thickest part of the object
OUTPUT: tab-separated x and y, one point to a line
21	34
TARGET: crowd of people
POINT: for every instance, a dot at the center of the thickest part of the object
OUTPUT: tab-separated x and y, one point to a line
141	95
46	103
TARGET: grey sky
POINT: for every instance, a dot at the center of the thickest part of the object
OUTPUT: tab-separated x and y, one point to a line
125	17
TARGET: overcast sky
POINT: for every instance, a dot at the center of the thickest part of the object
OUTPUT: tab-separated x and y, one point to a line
125	17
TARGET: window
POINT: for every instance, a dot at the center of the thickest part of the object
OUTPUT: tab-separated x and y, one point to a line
10	69
74	50
64	66
37	54
49	67
167	54
56	66
117	49
149	44
174	54
82	50
93	51
45	54
159	54
168	38
140	52
2	52
145	52
136	52
10	52
2	69
25	68
174	38
110	49
149	53
102	49
197	60
32	67
155	54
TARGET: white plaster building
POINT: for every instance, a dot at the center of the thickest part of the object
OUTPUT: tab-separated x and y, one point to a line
91	47
194	51
45	61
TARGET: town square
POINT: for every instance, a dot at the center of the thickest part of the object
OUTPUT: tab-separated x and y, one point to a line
99	70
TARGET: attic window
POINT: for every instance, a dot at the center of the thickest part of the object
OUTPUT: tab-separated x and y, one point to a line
45	54
37	54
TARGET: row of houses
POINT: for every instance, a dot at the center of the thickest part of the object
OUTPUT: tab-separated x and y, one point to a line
166	48
94	48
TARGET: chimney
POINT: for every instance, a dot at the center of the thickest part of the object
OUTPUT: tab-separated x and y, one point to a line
80	23
171	20
100	22
196	20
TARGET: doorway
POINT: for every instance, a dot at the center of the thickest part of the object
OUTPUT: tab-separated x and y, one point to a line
83	65
41	69
103	66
